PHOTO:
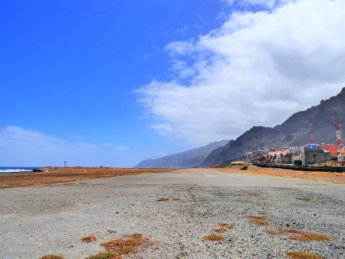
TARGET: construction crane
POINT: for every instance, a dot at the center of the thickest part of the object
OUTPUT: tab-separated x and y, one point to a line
311	131
338	134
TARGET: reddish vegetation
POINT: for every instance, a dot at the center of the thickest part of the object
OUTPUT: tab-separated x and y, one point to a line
219	230
168	199
258	217
163	199
214	238
52	175
222	227
302	235
105	255
89	239
119	247
311	237
285	231
259	220
226	225
52	257
287	173
303	255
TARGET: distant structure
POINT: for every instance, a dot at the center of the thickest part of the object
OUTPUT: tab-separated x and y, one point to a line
338	134
64	163
311	131
312	156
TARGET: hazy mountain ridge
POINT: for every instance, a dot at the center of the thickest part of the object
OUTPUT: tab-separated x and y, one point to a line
190	158
294	131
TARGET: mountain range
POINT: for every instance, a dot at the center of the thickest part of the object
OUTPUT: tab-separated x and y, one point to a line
190	158
293	132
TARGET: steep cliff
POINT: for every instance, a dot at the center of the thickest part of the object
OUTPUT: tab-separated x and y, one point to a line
294	131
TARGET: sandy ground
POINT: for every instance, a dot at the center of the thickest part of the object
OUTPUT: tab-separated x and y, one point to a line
288	173
40	220
68	174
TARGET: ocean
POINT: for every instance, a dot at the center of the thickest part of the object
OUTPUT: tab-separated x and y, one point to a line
16	169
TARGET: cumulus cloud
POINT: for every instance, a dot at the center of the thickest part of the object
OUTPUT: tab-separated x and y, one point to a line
24	147
257	69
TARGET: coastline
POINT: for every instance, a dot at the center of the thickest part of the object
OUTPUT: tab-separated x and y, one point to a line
17	169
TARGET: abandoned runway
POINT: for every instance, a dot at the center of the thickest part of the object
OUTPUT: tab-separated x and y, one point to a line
175	211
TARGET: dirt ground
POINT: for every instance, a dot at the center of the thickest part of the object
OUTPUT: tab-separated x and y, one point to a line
328	177
187	213
52	175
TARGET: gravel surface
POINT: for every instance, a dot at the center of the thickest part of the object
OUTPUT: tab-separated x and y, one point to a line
35	221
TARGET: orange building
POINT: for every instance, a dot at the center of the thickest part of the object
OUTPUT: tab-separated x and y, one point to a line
332	149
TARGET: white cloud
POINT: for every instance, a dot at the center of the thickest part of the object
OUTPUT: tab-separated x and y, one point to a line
23	147
266	3
257	69
262	3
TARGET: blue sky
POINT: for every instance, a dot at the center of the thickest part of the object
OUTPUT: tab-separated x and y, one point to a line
69	68
114	82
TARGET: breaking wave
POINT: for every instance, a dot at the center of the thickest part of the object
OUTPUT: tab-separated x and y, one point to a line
8	170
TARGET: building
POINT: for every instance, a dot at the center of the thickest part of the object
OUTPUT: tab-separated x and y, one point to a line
315	155
333	150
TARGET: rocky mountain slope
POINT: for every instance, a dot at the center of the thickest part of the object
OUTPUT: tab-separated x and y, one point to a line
294	131
190	158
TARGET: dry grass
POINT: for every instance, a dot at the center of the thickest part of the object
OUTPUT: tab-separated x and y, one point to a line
302	235
168	199
50	175
88	239
255	194
226	225
222	227
219	230
309	236
287	173
128	245
303	255
136	235
258	217
104	256
259	220
163	199
285	231
214	238
52	257
303	198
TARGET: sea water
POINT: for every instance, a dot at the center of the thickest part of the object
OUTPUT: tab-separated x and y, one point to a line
16	169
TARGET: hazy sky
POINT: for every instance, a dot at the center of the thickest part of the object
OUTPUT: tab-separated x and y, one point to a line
116	81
